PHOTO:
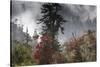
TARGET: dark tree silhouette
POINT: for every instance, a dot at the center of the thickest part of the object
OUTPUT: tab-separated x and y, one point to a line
51	18
52	21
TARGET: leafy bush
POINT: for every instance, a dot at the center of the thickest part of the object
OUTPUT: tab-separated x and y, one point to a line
81	49
21	54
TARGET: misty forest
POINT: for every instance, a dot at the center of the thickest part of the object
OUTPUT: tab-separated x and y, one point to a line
51	33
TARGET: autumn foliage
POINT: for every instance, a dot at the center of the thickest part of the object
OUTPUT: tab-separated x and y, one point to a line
43	49
81	49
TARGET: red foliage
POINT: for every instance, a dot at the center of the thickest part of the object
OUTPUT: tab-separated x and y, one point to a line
39	46
44	39
47	38
37	54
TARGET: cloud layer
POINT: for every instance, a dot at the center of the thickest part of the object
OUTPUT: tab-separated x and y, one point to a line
80	17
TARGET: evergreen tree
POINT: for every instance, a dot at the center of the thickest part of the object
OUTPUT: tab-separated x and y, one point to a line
52	21
51	18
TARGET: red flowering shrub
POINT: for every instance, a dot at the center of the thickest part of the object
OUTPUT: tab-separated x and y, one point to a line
42	49
47	38
37	54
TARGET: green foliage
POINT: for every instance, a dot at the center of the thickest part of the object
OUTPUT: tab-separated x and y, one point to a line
21	55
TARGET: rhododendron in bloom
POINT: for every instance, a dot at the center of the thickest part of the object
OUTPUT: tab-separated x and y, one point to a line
43	45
